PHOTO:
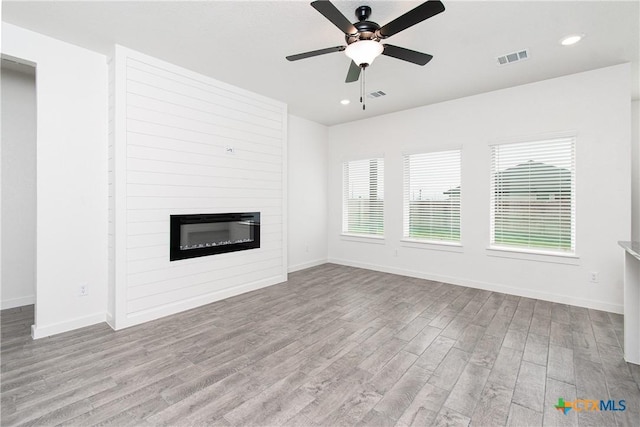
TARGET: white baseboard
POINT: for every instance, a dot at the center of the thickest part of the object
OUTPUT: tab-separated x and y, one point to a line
306	265
527	293
169	309
17	302
111	321
66	326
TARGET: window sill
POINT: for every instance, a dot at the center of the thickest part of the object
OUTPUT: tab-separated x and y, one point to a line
363	238
533	255
433	245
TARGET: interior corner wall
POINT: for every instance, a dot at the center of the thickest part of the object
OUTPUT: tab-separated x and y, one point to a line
635	170
595	105
307	193
71	183
184	143
18	188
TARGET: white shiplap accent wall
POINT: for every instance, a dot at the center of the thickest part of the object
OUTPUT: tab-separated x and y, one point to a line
178	126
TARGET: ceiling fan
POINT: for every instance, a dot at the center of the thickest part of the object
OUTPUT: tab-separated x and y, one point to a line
364	37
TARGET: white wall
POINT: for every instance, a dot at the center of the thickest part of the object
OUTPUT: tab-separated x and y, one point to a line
307	193
593	104
635	170
18	186
71	179
171	132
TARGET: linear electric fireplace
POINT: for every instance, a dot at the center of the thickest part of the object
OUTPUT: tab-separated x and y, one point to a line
209	234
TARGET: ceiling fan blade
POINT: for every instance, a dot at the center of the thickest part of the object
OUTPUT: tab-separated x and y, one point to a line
406	54
424	11
315	53
353	74
329	11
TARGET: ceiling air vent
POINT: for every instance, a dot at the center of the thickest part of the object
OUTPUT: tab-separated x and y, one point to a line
510	58
376	94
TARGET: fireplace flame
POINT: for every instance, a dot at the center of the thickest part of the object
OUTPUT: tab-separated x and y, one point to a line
213	244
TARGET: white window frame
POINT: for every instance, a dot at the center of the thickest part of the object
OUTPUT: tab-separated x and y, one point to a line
445	160
541	252
348	183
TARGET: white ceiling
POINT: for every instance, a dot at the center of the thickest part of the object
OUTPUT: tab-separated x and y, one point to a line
244	43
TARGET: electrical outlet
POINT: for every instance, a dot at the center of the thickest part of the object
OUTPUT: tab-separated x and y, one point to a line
395	252
83	290
593	277
306	248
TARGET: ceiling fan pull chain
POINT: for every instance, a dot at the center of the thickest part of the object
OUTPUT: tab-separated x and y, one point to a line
364	88
360	83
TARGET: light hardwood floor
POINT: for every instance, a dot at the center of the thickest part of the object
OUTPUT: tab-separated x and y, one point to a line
333	346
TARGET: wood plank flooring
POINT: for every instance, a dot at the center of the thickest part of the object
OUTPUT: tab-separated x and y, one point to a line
333	346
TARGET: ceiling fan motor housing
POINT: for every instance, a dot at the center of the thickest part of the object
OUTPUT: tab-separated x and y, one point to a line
367	30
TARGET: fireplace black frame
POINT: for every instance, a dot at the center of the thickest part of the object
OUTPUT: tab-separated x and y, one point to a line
175	253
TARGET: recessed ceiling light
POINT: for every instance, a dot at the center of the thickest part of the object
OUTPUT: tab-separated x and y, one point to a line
345	102
571	40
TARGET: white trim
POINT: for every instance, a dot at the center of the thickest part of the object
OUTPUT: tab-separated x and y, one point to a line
446	165
285	190
20	61
111	321
120	185
539	137
433	245
154	313
494	170
364	238
17	302
493	287
69	325
533	255
305	265
362	155
432	149
359	171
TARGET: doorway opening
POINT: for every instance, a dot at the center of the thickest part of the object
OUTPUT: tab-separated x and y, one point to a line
18	186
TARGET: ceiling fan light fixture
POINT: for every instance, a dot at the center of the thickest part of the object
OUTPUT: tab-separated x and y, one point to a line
364	51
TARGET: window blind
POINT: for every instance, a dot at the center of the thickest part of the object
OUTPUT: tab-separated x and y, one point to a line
432	196
363	197
533	195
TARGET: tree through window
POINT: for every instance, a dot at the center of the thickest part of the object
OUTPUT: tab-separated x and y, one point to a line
533	195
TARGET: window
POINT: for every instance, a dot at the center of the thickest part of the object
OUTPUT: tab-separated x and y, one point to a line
432	196
533	195
363	197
